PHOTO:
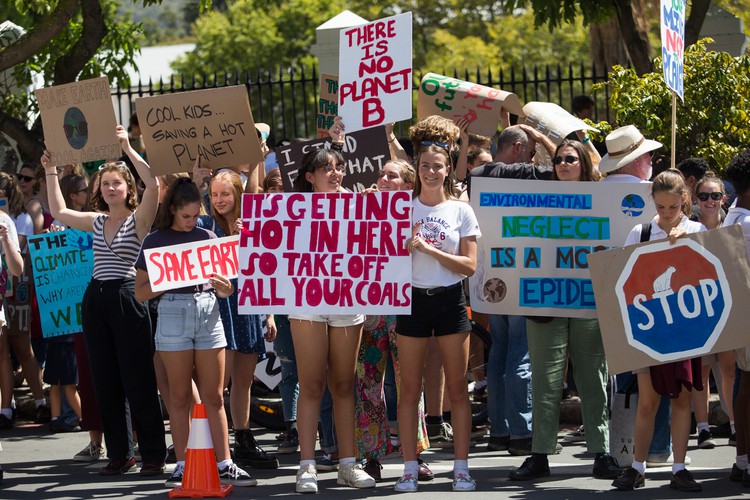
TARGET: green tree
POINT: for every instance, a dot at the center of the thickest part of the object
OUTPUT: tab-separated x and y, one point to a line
714	120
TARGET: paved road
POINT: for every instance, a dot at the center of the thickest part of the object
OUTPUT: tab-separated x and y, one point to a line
38	465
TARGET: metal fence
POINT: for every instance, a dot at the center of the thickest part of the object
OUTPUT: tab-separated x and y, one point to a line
286	99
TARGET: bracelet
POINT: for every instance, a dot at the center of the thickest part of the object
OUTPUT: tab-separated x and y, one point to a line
394	138
585	140
55	174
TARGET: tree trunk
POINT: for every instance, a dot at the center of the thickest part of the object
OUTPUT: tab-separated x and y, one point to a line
30	145
607	47
70	65
694	22
632	18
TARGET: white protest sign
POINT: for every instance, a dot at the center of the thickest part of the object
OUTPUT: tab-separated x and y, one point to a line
325	253
189	264
375	73
552	120
673	43
536	238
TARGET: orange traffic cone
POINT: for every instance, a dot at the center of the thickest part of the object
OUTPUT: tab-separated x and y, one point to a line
201	476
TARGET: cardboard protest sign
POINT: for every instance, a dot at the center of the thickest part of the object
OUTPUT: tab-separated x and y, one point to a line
375	73
537	237
62	265
216	125
457	99
366	152
659	302
328	105
325	253
552	120
673	43
79	122
189	264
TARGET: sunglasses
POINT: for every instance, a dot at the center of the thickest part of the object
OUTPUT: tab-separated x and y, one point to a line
328	168
24	178
567	159
82	128
426	144
716	196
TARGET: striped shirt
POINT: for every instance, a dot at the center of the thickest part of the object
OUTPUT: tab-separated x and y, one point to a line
115	261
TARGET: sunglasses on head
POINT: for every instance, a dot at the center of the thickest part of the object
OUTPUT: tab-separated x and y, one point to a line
426	144
82	128
567	159
716	196
24	178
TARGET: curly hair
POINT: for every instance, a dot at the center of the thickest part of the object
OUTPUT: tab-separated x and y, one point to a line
120	168
738	172
312	161
434	128
672	181
587	168
695	167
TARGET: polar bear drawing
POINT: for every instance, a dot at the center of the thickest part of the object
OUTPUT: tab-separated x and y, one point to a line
663	282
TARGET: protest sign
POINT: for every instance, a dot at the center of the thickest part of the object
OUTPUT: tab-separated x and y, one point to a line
189	264
79	122
375	73
536	239
327	103
62	264
325	253
673	43
214	125
552	120
659	302
457	99
366	152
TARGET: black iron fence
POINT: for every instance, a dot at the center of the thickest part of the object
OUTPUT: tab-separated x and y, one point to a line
286	99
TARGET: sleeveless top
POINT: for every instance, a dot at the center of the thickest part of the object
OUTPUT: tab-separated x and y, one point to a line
115	261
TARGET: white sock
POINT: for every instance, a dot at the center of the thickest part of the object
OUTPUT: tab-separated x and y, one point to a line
703	426
411	467
305	463
180	463
731	426
639	466
7	412
40	402
224	464
460	467
677	468
741	461
347	460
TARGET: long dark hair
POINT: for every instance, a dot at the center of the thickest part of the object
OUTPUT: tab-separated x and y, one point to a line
182	192
9	184
587	168
312	161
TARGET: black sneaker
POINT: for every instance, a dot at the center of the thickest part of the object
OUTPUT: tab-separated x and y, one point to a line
519	447
684	481
175	479
735	474
732	439
43	414
231	474
630	479
440	435
705	441
498	443
606	467
5	423
290	444
532	468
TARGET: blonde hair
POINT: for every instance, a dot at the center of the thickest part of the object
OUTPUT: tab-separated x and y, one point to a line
671	181
235	183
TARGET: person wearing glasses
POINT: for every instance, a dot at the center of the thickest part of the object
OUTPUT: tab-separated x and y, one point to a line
326	346
550	342
710	193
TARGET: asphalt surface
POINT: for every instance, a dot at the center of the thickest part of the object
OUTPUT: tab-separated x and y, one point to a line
38	465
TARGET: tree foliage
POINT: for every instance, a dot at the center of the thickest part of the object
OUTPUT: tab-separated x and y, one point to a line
714	120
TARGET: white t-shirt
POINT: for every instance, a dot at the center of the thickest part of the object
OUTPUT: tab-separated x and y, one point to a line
658	233
739	216
24	224
442	226
13	235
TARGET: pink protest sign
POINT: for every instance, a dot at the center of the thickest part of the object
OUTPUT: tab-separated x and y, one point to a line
325	253
375	73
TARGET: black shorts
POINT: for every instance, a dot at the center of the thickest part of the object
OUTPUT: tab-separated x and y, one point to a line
436	312
60	368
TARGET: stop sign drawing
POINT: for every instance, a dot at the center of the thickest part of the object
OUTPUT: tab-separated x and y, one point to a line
674	303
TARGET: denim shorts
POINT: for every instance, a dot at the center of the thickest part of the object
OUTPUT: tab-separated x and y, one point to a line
334	320
189	321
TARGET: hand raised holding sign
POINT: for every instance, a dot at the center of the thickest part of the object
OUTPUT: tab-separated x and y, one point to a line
201	176
222	285
337	130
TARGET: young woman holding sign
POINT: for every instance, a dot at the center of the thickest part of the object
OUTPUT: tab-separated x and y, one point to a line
326	347
672	199
189	334
116	326
550	341
444	253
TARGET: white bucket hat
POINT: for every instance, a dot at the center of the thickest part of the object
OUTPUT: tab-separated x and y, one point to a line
625	144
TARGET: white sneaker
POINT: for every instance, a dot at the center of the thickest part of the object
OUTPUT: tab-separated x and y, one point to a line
307	480
353	475
90	453
406	484
464	482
